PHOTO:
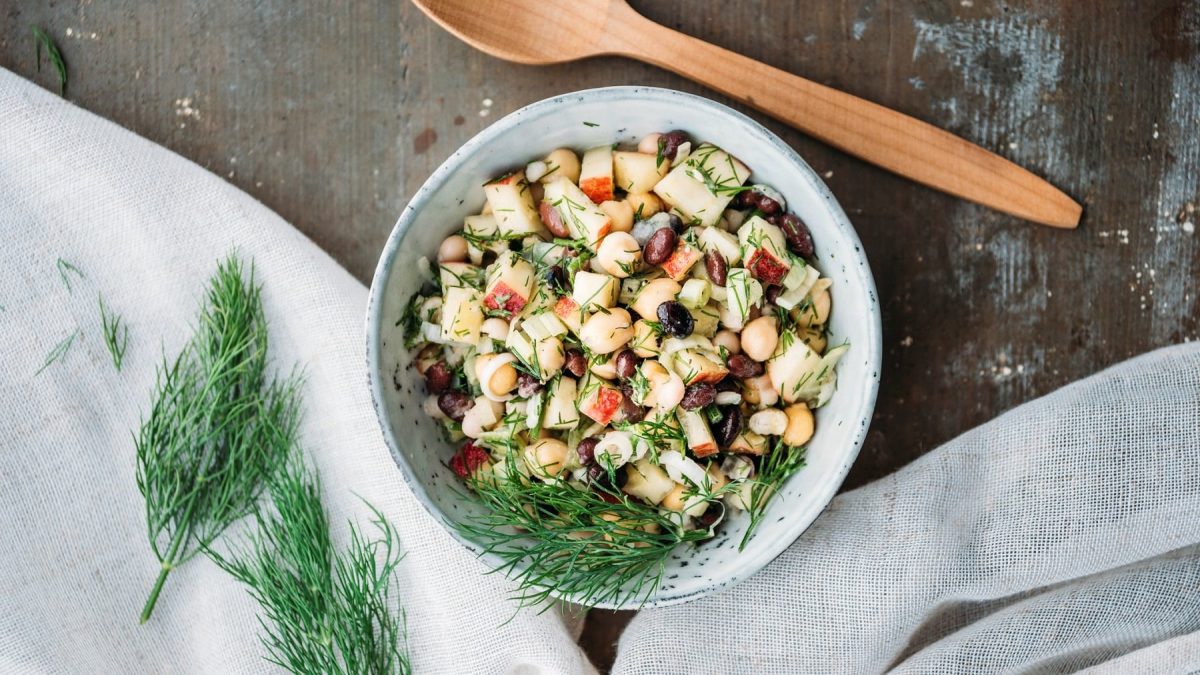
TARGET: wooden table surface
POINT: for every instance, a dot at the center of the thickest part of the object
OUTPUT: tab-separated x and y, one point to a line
334	113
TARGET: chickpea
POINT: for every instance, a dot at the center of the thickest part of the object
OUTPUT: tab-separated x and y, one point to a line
729	340
674	500
815	339
503	378
453	249
649	144
668	394
653	294
759	338
605	369
769	422
619	254
621	214
567	163
821	305
645	341
799	425
545	457
817	312
644	204
495	328
716	477
550	354
605	332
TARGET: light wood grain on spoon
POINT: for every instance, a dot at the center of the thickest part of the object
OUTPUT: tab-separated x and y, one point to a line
539	32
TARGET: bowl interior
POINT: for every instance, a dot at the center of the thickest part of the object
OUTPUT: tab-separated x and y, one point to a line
624	114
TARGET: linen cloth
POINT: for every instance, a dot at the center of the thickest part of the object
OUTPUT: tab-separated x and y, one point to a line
147	229
1063	535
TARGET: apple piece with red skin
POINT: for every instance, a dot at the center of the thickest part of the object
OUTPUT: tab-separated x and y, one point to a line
512	205
766	267
468	459
510	284
681	261
695	366
601	403
596	174
568	311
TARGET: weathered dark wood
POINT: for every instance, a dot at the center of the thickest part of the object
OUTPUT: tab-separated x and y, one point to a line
332	115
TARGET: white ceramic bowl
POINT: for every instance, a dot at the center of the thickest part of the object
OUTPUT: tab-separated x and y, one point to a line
625	114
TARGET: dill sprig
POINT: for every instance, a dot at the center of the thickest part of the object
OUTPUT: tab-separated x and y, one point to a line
326	611
59	352
42	40
778	465
217	428
116	334
556	540
65	270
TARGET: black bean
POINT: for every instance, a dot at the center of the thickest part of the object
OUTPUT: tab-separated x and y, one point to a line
575	363
772	293
659	247
799	239
455	404
698	395
676	223
627	363
630	411
556	278
728	384
716	266
675	319
729	426
670	142
438	377
742	366
527	385
587	450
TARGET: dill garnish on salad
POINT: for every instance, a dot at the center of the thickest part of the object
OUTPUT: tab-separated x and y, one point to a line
626	348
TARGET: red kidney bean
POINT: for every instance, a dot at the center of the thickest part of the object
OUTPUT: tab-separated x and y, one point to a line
659	247
716	266
670	142
627	363
772	293
455	404
698	395
438	377
527	385
742	366
767	205
575	363
553	220
587	450
799	239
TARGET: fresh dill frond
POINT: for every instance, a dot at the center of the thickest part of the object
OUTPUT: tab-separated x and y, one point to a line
59	352
323	610
42	40
575	544
779	464
217	428
116	334
65	270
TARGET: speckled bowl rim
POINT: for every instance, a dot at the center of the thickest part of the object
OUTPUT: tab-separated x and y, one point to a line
818	502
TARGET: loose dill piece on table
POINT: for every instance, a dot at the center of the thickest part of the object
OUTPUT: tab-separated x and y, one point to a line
556	540
59	352
324	610
116	334
776	466
42	40
217	428
65	270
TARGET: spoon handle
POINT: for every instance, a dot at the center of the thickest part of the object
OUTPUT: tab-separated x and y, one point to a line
901	144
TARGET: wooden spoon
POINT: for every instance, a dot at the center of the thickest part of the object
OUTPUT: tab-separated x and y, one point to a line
540	32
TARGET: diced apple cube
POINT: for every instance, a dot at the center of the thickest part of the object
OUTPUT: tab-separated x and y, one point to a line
512	205
647	481
697	365
460	275
567	310
765	250
461	315
561	412
584	220
544	325
748	443
680	263
596	174
638	172
510	284
600	401
594	290
702	185
724	243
